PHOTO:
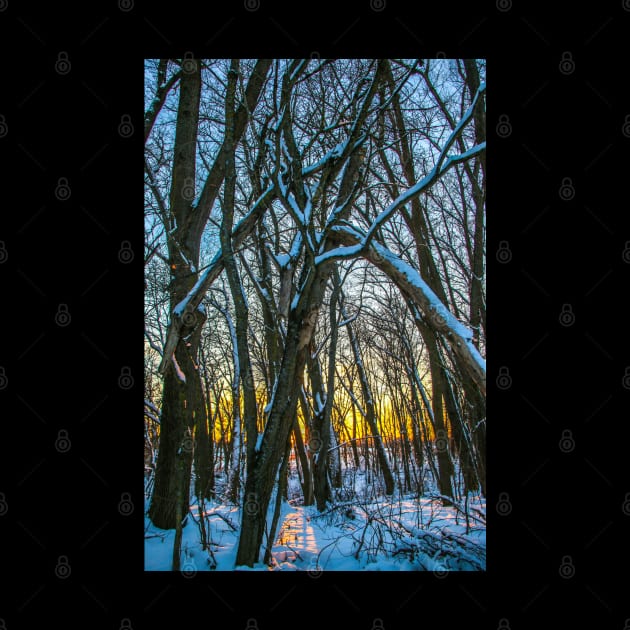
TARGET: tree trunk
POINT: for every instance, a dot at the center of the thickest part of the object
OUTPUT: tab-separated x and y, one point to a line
305	459
477	308
334	459
445	463
370	416
206	452
203	455
302	318
460	436
242	360
280	493
261	474
182	382
322	420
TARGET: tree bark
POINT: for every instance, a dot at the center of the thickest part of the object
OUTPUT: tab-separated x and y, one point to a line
370	415
322	420
182	383
477	308
185	230
305	459
203	456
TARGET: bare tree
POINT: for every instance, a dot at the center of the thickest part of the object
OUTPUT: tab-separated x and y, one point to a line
326	195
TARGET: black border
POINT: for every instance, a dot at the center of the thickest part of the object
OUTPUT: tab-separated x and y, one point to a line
66	252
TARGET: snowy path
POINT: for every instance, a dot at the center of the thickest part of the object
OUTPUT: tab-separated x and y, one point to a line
297	540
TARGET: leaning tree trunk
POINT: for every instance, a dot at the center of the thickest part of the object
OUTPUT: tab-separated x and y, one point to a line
261	477
265	460
302	316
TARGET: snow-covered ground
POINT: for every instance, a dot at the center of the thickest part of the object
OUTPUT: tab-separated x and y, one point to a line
400	533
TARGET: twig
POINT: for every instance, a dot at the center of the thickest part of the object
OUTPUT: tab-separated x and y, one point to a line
224	518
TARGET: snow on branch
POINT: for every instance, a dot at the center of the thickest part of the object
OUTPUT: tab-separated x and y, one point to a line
349	251
408	280
334	153
242	230
437	171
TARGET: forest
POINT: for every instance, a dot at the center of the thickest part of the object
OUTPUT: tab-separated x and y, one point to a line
315	314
